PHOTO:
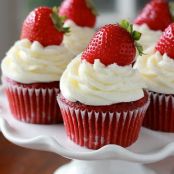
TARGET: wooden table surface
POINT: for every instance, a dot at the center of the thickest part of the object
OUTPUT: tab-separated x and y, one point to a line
17	160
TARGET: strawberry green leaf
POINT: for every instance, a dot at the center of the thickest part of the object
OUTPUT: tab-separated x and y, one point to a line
127	26
59	21
139	48
124	24
136	35
130	28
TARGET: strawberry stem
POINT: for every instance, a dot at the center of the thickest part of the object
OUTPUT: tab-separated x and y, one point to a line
134	34
139	48
59	21
90	4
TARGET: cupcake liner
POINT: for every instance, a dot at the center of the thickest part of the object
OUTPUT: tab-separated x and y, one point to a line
36	106
160	114
96	129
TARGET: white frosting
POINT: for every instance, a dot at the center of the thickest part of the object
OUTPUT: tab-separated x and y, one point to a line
28	62
97	84
157	71
78	38
149	37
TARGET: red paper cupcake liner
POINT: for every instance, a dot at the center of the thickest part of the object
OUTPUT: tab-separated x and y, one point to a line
36	106
96	129
160	114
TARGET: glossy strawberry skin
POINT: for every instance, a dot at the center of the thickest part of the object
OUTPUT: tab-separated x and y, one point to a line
111	44
156	15
166	42
79	12
38	26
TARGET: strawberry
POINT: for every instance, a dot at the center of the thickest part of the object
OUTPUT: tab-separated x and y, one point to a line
45	26
156	15
82	12
114	43
166	42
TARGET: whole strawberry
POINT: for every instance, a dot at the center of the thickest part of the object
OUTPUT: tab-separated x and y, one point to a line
45	26
114	43
82	12
166	42
156	15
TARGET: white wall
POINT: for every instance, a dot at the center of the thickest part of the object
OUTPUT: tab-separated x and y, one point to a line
126	8
10	23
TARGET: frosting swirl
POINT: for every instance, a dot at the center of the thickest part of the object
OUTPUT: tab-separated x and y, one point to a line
97	84
157	71
149	37
78	38
28	62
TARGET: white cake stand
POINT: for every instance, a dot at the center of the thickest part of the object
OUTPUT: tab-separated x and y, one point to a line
111	159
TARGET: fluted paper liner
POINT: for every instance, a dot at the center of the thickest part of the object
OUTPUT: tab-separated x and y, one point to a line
160	114
36	106
96	129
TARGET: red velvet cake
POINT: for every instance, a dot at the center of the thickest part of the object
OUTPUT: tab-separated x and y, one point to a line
33	103
96	126
160	114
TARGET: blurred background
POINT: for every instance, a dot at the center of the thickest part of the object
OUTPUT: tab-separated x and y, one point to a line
13	12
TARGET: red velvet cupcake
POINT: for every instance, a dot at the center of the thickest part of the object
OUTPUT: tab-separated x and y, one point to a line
32	67
96	126
33	103
157	70
160	114
102	100
147	22
81	18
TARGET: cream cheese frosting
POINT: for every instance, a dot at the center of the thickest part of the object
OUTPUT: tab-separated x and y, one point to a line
97	84
149	37
28	62
157	71
78	38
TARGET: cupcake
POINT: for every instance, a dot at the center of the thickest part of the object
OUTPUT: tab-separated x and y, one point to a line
153	19
81	18
102	100
157	70
33	66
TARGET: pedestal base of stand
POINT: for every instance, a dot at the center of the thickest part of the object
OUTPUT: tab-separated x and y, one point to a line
103	167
